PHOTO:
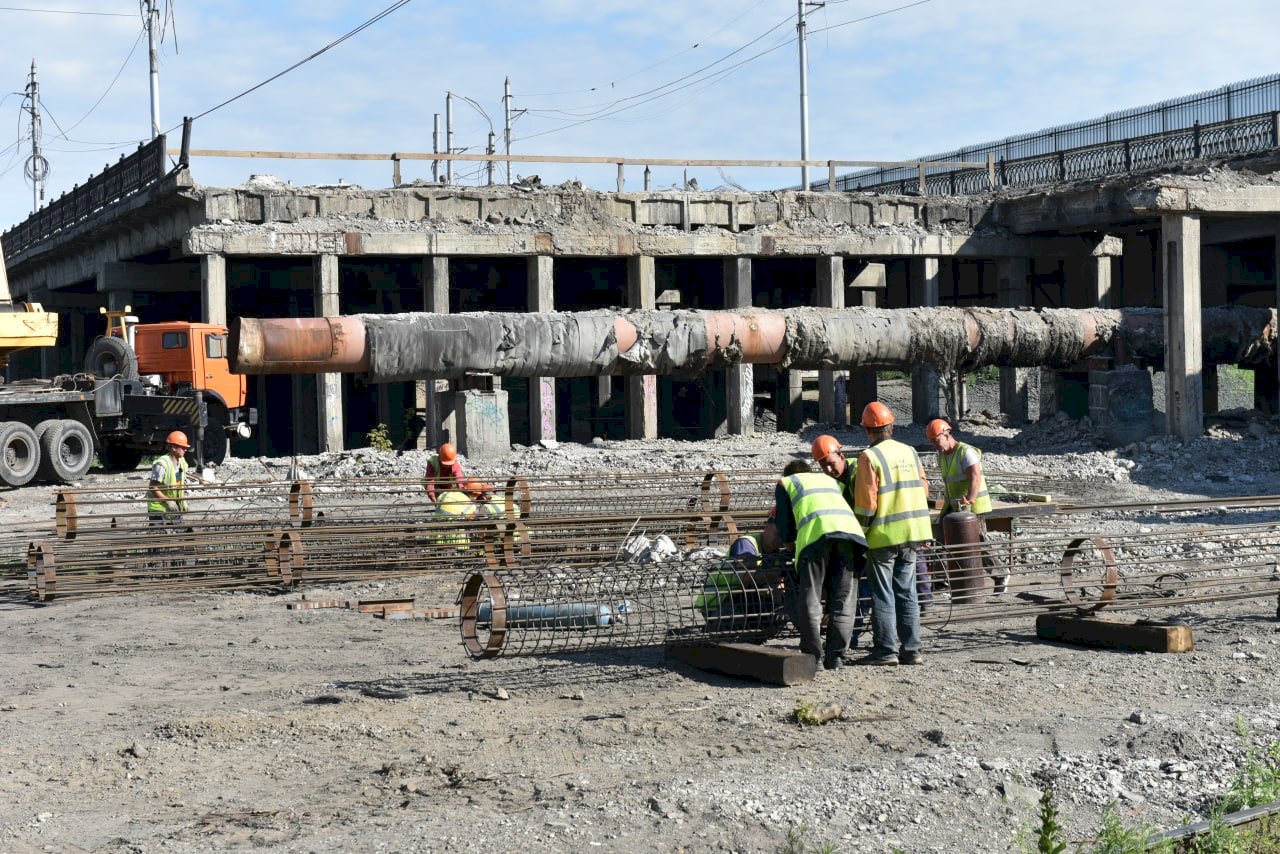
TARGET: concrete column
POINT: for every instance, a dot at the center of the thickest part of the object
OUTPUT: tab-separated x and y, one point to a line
830	295
542	390
1011	292
1184	352
428	393
1101	265
118	301
739	380
642	392
867	285
213	289
1268	389
924	378
328	386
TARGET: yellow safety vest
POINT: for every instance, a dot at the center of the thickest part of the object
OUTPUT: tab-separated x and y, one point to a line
819	508
957	482
902	505
174	475
455	507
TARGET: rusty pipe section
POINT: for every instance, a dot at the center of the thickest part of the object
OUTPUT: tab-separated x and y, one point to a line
400	347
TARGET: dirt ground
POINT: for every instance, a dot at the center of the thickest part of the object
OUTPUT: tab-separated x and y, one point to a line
220	721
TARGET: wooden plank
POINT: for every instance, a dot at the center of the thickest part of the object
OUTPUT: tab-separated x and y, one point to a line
376	606
312	604
752	661
1114	634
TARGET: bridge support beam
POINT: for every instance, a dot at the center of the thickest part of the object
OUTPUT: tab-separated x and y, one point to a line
924	378
830	295
1184	350
642	392
739	379
213	289
1011	292
328	386
542	390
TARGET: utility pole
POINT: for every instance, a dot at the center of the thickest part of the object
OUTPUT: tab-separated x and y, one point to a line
802	31
37	168
448	137
506	108
152	9
435	149
490	149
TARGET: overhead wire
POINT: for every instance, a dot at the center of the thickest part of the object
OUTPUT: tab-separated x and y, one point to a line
106	92
65	12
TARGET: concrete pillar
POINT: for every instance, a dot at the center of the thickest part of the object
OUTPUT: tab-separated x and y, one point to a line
429	394
642	392
867	285
830	295
542	390
739	380
1184	352
213	289
924	378
118	301
1011	292
1101	267
328	386
1271	386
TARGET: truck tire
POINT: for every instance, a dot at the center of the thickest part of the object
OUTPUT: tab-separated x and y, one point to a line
215	434
119	458
66	451
19	453
109	356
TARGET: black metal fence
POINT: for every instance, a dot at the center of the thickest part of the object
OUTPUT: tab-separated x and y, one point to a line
133	172
1240	118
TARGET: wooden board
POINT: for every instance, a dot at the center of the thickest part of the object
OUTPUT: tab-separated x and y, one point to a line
752	661
1114	634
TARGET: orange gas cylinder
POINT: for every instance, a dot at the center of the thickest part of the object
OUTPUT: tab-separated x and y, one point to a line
962	535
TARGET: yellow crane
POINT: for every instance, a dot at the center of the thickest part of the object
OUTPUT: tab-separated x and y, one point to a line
23	324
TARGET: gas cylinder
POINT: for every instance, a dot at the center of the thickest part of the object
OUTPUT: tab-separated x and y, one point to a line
962	535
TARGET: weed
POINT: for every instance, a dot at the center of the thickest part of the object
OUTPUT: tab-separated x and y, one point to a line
797	843
1048	836
1259	780
379	439
1115	838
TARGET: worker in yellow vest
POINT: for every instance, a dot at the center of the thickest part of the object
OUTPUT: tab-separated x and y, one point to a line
166	493
965	484
455	508
891	500
814	517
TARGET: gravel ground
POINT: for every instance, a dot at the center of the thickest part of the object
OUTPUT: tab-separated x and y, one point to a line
199	722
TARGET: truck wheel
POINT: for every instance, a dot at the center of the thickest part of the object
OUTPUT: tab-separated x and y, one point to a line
19	453
215	435
66	451
109	356
119	458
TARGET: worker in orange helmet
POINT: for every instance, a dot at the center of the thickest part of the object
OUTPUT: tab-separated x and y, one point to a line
965	485
166	493
829	455
891	499
444	472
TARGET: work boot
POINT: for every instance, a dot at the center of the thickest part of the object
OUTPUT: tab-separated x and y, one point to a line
1001	584
833	661
910	657
879	659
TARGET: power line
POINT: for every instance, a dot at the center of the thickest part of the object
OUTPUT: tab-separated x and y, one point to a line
106	92
869	17
65	12
369	23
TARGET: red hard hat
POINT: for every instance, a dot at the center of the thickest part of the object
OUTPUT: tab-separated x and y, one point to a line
936	428
448	454
825	446
876	415
177	437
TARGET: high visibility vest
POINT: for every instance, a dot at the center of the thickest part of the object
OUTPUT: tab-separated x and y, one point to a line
495	510
173	477
443	473
819	508
902	505
957	482
456	507
747	545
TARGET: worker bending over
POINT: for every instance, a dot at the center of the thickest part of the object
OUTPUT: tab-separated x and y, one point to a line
966	487
828	541
891	500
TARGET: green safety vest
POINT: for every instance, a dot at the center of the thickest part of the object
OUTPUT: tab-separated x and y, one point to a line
457	507
174	485
819	508
497	511
957	482
902	511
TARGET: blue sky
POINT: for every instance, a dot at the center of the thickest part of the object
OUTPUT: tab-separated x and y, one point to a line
937	75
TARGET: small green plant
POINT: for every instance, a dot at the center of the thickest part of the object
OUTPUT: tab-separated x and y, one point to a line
807	714
379	439
1259	780
1048	838
798	843
1115	838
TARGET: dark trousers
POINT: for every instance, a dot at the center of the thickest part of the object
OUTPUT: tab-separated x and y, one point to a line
825	568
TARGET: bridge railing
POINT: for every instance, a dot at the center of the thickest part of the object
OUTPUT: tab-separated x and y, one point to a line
117	181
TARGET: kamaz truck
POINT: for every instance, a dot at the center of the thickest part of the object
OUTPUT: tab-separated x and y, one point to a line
140	381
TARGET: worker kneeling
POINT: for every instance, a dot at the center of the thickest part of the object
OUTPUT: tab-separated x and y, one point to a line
455	508
745	593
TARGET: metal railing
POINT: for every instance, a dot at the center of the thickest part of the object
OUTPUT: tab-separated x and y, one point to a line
117	181
1235	119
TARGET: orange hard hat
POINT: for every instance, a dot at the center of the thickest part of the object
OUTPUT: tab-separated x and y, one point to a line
177	437
475	487
824	446
876	414
448	454
936	428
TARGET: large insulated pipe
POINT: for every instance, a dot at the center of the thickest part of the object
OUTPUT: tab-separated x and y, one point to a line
400	347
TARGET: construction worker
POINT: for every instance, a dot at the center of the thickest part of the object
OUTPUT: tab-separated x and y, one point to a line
891	500
166	493
828	453
742	593
454	507
813	515
443	471
965	485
